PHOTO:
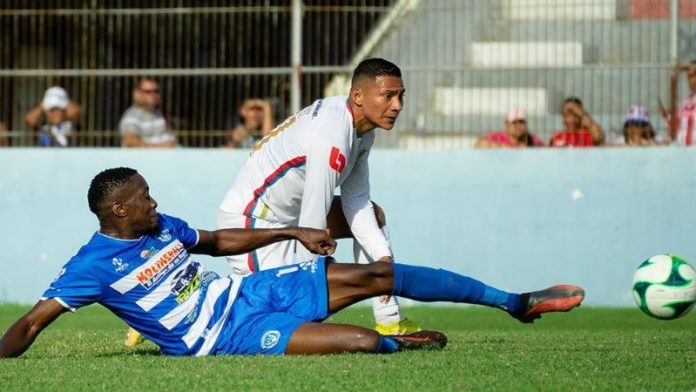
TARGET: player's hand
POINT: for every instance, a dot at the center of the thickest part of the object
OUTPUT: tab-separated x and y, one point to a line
316	241
385	259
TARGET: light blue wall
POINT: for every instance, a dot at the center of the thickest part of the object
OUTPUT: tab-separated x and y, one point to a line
516	219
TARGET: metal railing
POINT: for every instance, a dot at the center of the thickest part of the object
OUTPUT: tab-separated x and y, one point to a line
460	59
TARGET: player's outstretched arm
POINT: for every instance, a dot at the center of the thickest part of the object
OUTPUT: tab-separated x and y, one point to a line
236	241
21	334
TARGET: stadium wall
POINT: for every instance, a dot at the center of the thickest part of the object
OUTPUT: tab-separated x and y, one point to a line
516	219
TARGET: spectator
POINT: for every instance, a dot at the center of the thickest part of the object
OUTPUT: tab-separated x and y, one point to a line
515	135
4	140
57	128
580	129
143	124
37	117
686	115
637	130
256	122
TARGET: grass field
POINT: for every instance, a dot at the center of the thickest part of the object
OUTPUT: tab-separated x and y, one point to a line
588	349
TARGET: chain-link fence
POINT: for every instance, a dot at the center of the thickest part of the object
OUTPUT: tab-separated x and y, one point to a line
465	62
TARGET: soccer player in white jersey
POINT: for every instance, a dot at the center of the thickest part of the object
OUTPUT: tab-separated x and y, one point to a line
291	176
139	266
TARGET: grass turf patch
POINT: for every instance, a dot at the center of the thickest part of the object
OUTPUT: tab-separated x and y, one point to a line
590	348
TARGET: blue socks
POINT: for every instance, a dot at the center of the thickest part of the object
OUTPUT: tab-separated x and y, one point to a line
386	345
429	284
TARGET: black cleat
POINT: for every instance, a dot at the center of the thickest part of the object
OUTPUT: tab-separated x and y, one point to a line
421	340
560	298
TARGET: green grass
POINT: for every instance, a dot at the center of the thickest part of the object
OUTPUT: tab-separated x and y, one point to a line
588	349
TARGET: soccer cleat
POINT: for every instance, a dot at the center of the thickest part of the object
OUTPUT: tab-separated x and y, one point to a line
402	327
421	340
133	338
560	298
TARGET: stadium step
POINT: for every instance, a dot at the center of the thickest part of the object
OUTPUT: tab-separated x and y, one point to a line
526	54
465	100
560	10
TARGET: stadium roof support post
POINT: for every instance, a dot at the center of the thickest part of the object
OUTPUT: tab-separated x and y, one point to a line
296	57
674	58
674	32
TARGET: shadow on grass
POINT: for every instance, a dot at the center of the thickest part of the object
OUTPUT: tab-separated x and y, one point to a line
145	352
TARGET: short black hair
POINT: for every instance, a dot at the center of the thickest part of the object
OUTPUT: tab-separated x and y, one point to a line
105	183
372	68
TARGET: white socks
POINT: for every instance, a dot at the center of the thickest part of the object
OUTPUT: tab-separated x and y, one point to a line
388	313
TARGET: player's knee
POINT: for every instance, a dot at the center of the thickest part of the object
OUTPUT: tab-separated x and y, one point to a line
379	215
381	269
365	342
381	276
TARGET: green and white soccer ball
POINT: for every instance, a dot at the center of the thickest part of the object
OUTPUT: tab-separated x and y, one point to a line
664	287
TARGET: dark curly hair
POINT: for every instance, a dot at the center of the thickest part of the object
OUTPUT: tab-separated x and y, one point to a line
105	183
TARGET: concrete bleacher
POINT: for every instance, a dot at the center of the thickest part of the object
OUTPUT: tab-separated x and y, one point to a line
468	100
463	59
560	10
525	54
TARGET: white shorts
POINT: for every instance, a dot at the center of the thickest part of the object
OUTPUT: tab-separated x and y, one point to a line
271	256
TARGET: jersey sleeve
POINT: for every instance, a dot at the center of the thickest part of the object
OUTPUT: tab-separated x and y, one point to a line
128	124
359	211
188	236
74	288
325	160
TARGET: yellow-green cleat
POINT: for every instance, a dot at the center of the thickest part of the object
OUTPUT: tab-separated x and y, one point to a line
133	338
403	327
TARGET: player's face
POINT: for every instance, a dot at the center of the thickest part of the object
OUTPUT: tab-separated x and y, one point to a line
142	208
383	100
571	120
517	129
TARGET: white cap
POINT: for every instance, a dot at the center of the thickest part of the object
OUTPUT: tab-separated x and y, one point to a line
55	98
515	114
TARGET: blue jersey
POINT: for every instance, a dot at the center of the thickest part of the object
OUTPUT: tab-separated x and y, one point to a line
152	284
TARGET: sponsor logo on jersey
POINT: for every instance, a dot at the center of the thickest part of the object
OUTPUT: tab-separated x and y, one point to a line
119	265
165	236
270	339
337	160
159	266
186	283
146	253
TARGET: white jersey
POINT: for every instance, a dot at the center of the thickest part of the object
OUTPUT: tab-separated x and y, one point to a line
291	174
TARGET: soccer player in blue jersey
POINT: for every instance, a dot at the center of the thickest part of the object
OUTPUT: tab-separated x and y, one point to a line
138	265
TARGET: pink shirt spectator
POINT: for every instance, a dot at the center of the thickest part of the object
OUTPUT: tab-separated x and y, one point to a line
501	137
687	121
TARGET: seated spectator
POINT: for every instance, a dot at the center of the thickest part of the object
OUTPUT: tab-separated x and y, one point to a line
36	117
143	124
256	122
4	140
637	130
580	129
57	128
515	135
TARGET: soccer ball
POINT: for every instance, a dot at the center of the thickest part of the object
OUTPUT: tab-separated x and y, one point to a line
664	287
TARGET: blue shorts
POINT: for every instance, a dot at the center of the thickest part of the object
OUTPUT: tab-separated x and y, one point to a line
272	304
